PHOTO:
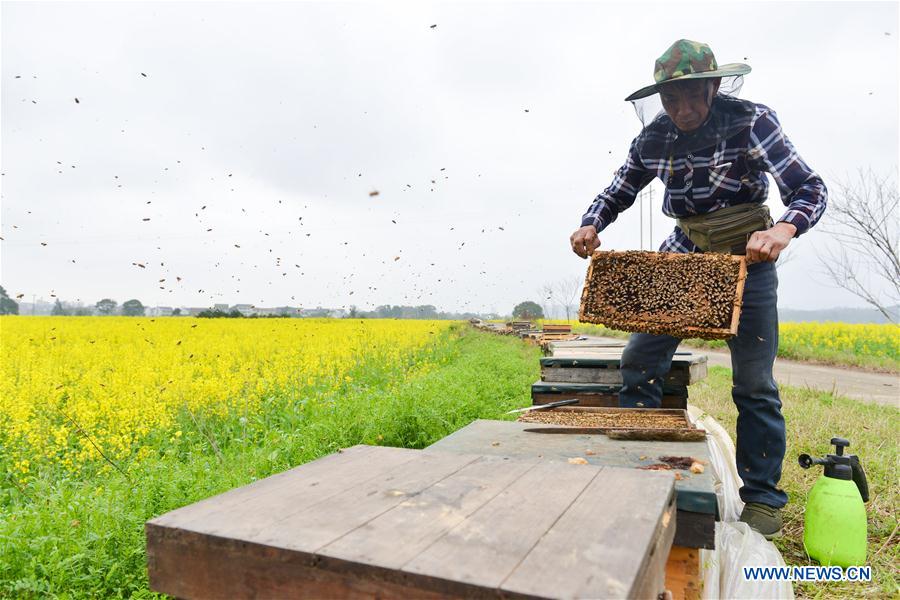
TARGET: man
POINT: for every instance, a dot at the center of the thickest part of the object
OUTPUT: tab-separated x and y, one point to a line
712	152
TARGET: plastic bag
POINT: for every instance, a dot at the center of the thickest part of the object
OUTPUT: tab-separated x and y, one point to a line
737	545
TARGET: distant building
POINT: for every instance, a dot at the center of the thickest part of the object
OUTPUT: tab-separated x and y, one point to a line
317	312
245	309
158	311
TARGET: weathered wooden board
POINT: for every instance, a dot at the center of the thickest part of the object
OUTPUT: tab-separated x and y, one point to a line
588	343
549	387
547	570
551	337
598	394
696	498
422	525
602	368
683	578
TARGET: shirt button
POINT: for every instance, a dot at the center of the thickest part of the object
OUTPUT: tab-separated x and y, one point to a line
690	156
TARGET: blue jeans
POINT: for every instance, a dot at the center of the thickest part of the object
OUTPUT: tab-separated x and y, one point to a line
760	424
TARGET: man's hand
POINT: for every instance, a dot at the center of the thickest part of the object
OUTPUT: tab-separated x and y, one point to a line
765	246
585	241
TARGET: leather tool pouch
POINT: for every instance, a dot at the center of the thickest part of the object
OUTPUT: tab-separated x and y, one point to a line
726	230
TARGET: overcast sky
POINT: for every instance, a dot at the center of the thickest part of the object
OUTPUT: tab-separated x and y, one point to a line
236	146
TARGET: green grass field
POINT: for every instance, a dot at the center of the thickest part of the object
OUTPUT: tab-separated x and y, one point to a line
83	537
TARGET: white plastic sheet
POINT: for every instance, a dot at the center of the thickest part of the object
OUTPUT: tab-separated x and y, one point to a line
721	454
737	545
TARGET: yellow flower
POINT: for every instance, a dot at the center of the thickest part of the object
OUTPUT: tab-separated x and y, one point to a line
118	379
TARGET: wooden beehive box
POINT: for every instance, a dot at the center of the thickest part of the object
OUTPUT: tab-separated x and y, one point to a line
606	367
374	522
694	295
599	394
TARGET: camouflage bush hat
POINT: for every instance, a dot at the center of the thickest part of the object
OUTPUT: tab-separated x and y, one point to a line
687	60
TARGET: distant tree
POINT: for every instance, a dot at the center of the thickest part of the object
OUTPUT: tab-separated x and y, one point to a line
8	306
82	312
58	310
176	312
528	310
865	261
106	306
352	313
569	293
133	308
426	311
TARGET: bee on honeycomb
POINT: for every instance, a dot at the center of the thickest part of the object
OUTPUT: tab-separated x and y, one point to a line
683	295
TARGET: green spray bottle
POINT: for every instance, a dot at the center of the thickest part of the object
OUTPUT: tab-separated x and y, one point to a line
834	531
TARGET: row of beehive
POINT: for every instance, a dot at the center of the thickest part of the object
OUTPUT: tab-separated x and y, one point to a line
590	370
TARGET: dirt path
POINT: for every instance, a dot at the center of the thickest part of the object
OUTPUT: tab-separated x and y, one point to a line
880	388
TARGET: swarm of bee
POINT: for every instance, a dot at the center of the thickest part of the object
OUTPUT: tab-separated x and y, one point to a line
683	295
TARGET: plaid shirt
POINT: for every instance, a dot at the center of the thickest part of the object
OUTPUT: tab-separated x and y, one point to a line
729	170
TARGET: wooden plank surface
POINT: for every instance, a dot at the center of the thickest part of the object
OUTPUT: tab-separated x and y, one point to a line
422	519
435	525
575	344
489	545
610	358
587	554
563	387
614	376
602	365
292	490
683	578
325	522
696	498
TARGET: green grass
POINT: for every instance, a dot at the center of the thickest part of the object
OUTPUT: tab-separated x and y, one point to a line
812	418
84	537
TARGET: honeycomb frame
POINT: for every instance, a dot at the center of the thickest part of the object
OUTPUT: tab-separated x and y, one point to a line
712	284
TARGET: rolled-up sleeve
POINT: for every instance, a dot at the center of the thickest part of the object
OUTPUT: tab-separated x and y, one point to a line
628	181
802	190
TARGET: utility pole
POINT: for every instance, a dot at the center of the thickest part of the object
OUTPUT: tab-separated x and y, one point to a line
641	212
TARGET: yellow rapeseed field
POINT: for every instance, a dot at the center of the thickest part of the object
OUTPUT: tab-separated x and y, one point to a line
72	387
882	341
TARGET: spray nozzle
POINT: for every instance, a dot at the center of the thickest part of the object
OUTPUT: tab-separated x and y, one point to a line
806	461
840	466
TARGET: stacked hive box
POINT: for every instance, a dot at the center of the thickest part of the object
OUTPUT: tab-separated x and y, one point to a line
554	333
591	372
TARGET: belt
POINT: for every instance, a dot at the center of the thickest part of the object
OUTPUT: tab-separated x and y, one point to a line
726	230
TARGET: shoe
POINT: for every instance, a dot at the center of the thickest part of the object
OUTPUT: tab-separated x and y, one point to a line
762	518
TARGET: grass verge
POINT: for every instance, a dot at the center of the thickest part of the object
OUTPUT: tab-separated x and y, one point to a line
812	418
